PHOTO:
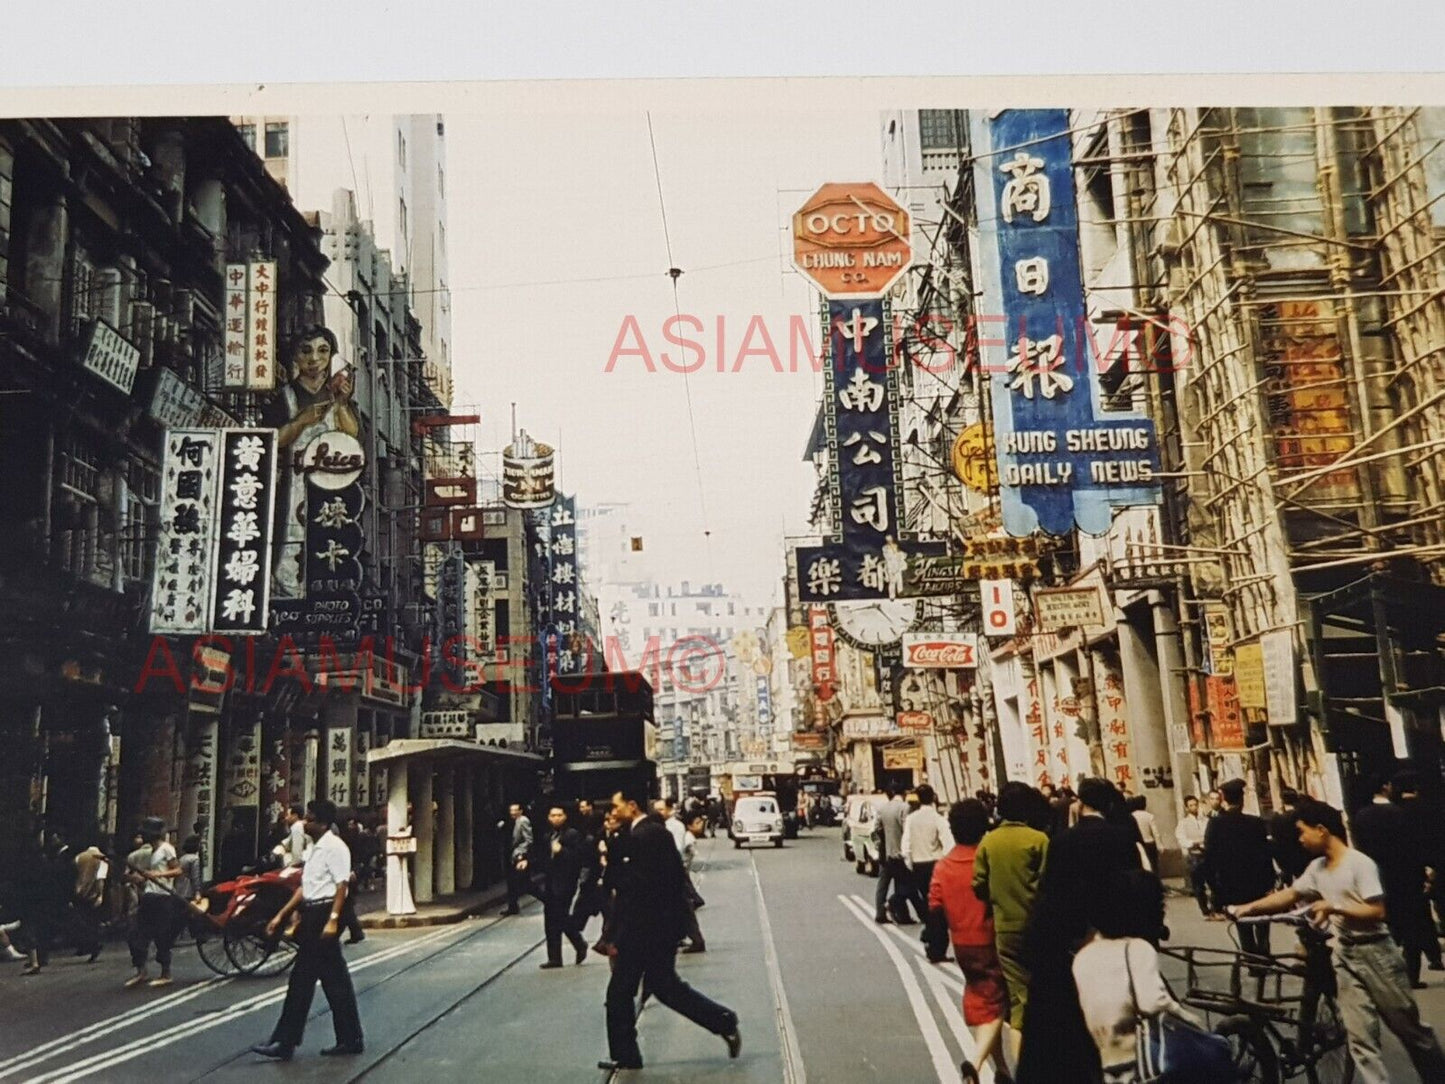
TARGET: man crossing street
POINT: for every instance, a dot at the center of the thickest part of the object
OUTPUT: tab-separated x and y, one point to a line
519	873
561	861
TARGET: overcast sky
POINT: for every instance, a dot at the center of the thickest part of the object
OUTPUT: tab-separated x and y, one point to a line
537	198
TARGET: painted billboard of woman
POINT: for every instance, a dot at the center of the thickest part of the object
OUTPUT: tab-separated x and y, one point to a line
314	402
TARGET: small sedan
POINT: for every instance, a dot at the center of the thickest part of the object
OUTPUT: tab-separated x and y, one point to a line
757	820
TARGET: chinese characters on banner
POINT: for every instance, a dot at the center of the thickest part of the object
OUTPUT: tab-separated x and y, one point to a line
246	499
251	321
185	548
198	795
333	562
111	357
243	765
276	781
566	585
338	765
868	554
765	707
362	786
1113	716
1036	730
1214	711
825	666
1060	463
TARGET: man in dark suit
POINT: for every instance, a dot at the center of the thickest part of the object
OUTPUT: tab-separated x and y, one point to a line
561	860
650	919
519	874
1386	831
1289	854
1238	862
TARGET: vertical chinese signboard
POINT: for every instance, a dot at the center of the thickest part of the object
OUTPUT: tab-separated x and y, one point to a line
185	554
1061	464
1113	716
566	587
338	765
825	665
251	321
246	499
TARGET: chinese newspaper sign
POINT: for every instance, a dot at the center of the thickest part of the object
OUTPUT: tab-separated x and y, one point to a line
867	556
111	357
185	549
246	501
1061	464
251	322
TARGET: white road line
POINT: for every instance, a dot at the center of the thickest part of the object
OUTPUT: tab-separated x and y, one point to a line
65	1043
916	947
104	1060
793	1069
943	1064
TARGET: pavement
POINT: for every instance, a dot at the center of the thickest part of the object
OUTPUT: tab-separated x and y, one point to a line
371	908
821	992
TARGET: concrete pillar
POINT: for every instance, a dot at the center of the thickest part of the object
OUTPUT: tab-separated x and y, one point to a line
466	818
398	890
446	856
424	824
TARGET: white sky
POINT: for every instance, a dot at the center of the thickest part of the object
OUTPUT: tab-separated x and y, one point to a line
535	198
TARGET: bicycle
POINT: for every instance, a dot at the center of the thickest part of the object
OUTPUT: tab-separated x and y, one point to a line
1279	1012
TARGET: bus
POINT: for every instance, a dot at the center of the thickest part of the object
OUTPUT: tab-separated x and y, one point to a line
603	735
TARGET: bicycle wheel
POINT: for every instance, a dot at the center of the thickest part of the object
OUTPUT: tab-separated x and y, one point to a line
253	953
1329	1058
1254	1057
211	944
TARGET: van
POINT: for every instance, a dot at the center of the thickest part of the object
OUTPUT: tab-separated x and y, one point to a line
757	818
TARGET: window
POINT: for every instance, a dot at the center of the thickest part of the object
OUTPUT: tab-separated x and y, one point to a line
82	290
940	129
441	180
278	139
139	521
401	219
248	134
401	149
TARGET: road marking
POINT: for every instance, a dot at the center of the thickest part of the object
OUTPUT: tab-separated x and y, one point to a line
65	1043
793	1069
136	1048
943	1064
945	976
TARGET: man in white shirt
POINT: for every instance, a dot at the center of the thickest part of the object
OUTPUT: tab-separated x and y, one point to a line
667	810
1189	833
926	839
155	919
325	881
298	843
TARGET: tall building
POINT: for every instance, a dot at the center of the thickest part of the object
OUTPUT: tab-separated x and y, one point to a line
396	166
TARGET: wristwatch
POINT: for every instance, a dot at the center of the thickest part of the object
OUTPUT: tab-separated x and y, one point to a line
335	917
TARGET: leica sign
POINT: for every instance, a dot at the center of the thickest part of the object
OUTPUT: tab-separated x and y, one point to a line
940	650
854	241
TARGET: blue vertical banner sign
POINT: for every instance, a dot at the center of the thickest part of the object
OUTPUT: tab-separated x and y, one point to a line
868	553
1062	464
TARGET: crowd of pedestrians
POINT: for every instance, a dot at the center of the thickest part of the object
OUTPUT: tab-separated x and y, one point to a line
1053	906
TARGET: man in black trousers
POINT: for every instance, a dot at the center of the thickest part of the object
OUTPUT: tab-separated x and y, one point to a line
325	882
1238	863
561	860
651	918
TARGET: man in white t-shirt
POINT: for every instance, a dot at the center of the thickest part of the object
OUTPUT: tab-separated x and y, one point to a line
1343	888
156	919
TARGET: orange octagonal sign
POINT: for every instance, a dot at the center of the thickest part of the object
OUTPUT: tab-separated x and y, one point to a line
854	241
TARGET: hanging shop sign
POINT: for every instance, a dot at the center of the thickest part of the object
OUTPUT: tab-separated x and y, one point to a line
242	780
174	403
809	741
915	721
998	607
852	241
111	357
251	327
1069	607
1060	463
247	494
1280	677
799	641
1218	705
181	586
903	760
867	555
1113	715
450	491
933	574
338	765
1001	557
860	727
1216	627
565	580
825	664
528	473
332	461
501	735
973	459
940	650
1249	676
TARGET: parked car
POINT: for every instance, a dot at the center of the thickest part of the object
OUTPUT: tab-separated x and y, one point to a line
859	814
757	819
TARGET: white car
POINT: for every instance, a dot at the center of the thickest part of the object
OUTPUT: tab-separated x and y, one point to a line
757	819
860	813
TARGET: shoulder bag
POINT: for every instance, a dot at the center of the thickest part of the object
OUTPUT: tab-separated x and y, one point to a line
1170	1050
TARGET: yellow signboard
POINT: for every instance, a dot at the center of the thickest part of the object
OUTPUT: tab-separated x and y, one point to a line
1249	675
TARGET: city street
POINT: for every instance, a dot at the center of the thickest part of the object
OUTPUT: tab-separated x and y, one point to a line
822	994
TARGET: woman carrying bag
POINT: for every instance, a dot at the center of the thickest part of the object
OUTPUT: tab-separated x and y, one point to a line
1143	1035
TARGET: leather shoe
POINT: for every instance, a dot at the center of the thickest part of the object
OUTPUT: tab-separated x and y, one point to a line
581	955
607	1065
509	911
343	1048
694	948
358	939
734	1039
274	1051
549	965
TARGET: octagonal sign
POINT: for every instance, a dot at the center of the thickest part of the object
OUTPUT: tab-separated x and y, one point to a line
854	241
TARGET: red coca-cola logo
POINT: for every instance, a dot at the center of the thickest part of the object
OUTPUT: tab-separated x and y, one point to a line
940	653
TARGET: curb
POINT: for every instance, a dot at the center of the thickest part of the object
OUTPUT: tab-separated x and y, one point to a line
380	920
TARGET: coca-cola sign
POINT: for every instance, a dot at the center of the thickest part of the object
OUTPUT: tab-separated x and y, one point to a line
940	650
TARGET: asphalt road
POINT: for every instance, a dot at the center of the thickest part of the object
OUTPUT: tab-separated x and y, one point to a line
822	994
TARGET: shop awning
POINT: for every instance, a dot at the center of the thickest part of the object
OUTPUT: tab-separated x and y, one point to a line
449	749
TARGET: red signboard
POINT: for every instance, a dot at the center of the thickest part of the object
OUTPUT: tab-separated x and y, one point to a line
820	636
450	491
915	720
940	650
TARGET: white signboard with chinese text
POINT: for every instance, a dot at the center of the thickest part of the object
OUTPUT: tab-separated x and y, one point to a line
1069	607
869	726
175	404
502	735
1277	655
261	327
181	585
245	500
236	313
338	764
109	356
446	724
